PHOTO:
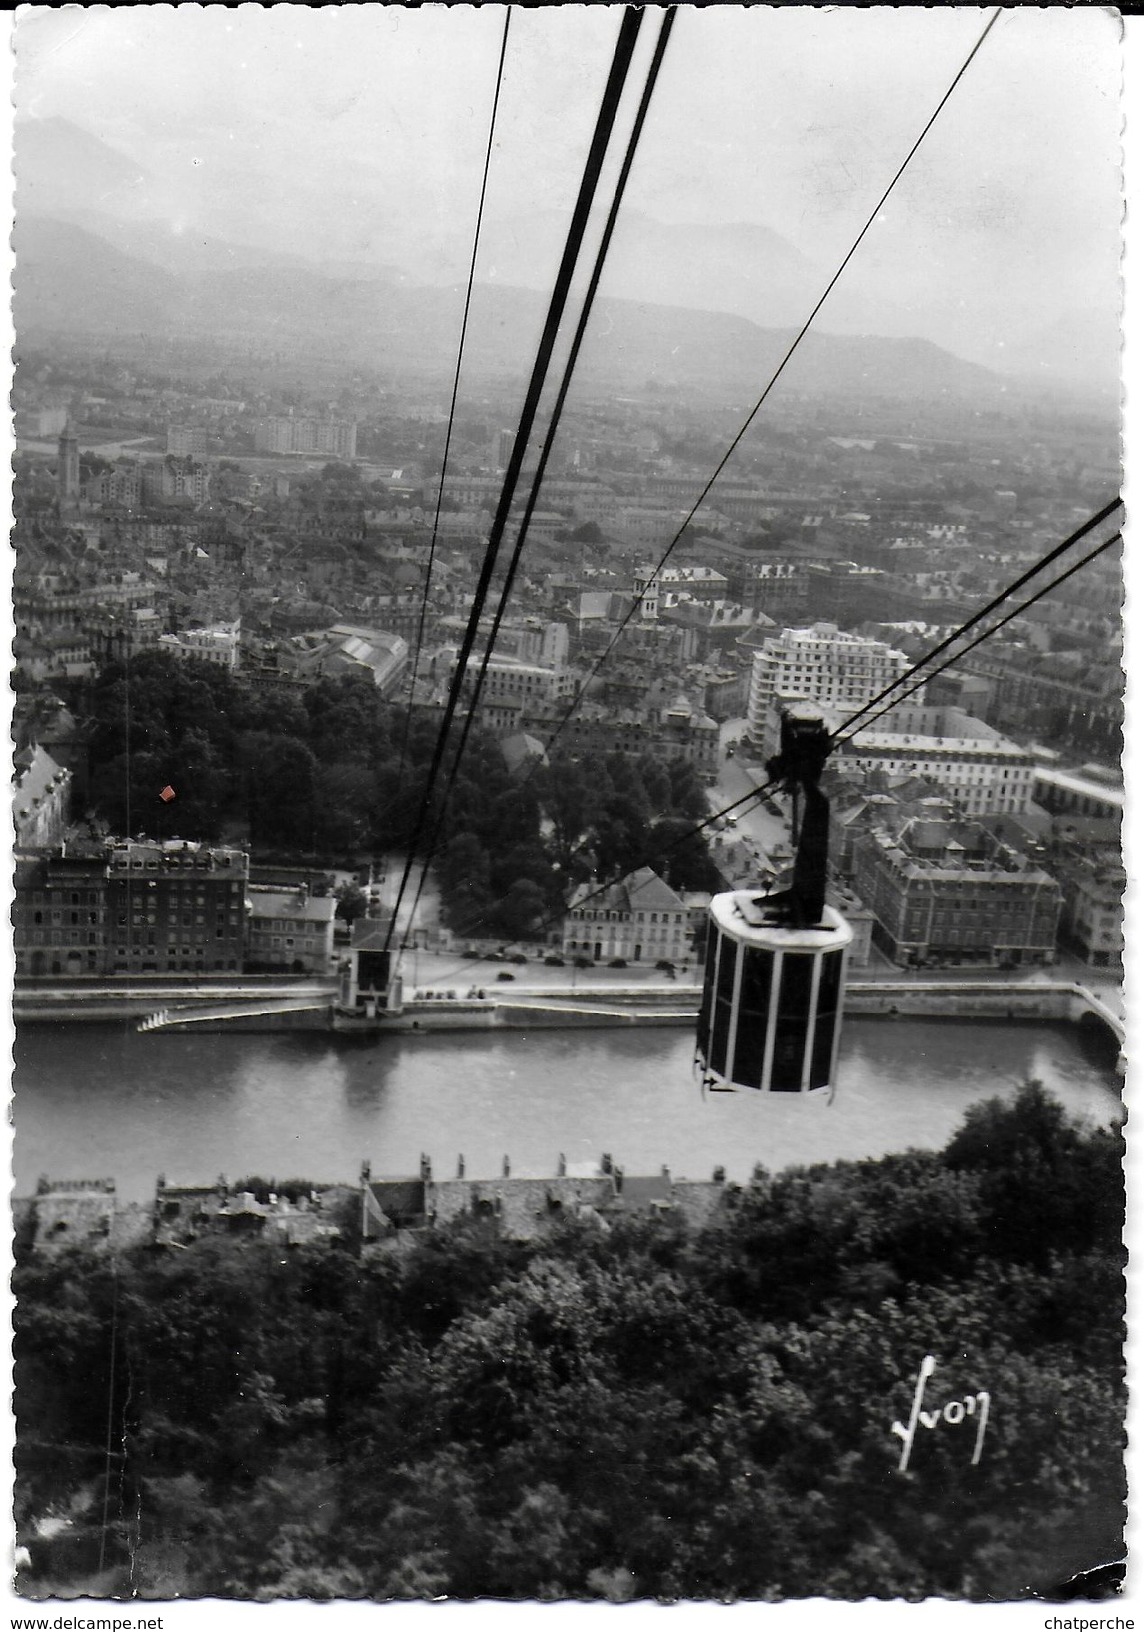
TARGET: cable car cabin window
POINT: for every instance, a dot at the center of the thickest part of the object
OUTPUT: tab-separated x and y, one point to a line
724	991
791	1026
703	1030
829	992
754	1002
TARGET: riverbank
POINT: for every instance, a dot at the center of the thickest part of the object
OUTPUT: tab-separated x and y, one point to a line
91	1099
545	1006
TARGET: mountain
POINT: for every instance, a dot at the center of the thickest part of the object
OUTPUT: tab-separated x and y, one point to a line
741	268
178	250
59	167
66	280
1080	353
70	280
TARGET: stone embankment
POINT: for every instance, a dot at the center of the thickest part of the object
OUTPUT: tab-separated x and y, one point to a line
294	1006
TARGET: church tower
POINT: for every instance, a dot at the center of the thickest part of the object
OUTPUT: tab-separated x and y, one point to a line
67	473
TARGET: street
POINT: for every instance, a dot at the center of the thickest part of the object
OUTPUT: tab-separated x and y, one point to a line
762	835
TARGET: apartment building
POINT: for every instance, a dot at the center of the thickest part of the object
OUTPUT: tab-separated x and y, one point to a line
289	433
962	756
218	645
41	797
290	930
175	906
952	893
59	914
641	919
820	664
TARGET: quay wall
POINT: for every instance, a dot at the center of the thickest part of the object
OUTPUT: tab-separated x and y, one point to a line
586	1008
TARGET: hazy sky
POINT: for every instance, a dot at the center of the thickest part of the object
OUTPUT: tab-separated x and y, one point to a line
358	132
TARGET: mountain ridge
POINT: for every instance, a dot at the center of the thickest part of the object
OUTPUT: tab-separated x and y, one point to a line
68	280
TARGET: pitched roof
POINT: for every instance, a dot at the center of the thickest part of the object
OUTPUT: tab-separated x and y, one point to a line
641	891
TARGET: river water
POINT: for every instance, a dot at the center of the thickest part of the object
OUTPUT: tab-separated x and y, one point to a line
93	1101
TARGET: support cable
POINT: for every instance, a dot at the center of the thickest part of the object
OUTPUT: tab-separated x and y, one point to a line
549	440
1015	612
997	601
617	77
753	795
420	638
110	1440
791	349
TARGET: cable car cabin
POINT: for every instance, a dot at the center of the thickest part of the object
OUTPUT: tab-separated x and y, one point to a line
771	1010
776	964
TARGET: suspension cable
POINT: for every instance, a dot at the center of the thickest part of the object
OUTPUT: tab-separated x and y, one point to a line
617	77
420	638
1015	612
755	794
549	440
1019	583
791	349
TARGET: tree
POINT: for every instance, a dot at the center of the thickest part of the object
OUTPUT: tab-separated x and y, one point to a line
282	777
353	903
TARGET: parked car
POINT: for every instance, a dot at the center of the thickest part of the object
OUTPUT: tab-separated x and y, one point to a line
666	966
583	963
554	962
618	963
517	957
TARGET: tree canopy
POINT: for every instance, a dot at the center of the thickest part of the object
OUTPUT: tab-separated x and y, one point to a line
334	770
622	1408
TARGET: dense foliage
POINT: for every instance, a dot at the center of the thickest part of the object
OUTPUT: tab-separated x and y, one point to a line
640	1410
335	771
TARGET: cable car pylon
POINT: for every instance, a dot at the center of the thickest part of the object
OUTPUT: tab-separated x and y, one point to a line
775	970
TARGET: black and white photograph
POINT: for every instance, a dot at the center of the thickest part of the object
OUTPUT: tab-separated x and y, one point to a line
567	706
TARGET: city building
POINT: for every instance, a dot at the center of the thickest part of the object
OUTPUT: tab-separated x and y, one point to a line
289	433
689	734
1092	914
820	664
174	477
187	441
641	919
500	450
219	645
780	590
508	681
59	914
43	421
290	930
349	649
41	798
674	584
963	757
175	906
951	893
1072	793
121	485
67	471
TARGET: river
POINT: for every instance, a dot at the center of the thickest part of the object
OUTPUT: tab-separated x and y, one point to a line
103	1101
